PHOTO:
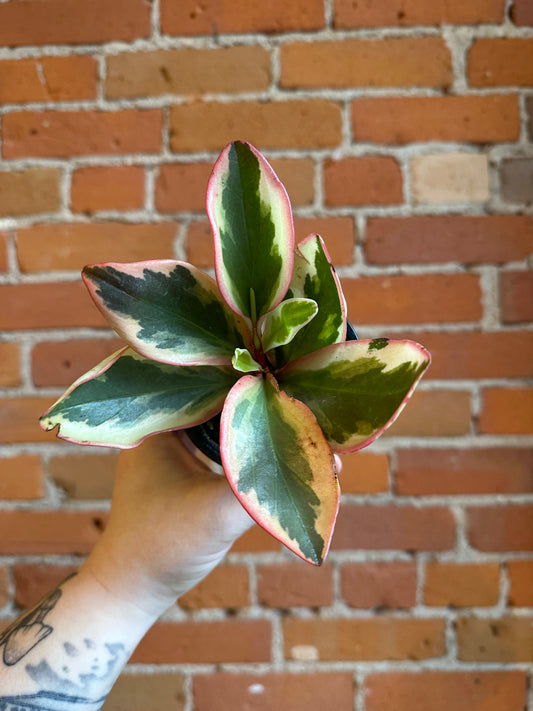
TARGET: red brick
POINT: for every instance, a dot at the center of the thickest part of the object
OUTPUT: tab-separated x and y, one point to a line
461	584
61	134
226	586
84	476
255	540
477	470
445	690
407	13
112	187
390	62
200	642
298	177
70	246
29	192
503	640
393	528
436	239
501	61
216	16
408	119
48	79
521	583
33	581
19	419
10	365
131	692
68	22
364	473
434	413
425	298
294	585
516	299
188	71
529	106
182	186
337	232
522	12
377	638
4	586
264	692
379	585
500	528
59	532
199	244
366	180
506	411
21	477
59	363
307	123
47	305
4	241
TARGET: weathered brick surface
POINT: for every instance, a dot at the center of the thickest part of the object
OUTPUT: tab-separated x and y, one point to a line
507	639
405	13
450	178
522	12
82	476
506	411
462	584
227	586
378	585
521	583
516	176
48	79
369	180
294	585
3	251
500	528
10	360
30	191
34	532
165	690
516	296
501	62
364	472
59	363
107	188
21	477
33	581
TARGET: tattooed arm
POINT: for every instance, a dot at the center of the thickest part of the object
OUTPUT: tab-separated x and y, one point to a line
171	522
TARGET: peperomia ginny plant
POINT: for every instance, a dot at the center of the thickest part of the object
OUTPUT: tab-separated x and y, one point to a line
265	344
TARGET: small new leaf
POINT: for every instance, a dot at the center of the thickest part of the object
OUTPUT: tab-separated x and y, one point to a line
243	362
282	324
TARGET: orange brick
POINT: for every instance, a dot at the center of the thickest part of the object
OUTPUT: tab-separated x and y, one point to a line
83	476
445	690
504	640
500	528
506	411
182	186
406	13
436	239
48	79
132	692
478	470
47	305
29	192
60	532
364	473
112	187
66	21
521	579
205	642
19	419
226	586
425	298
255	540
522	12
188	71
294	585
21	477
378	638
70	246
390	62
4	586
461	584
59	363
199	245
516	297
263	692
399	120
4	241
9	365
33	581
298	177
378	585
310	123
434	413
216	16
367	180
61	134
501	61
393	528
337	232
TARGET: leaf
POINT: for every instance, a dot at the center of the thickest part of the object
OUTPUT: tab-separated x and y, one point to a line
280	466
281	325
243	361
314	278
251	217
357	389
127	397
166	310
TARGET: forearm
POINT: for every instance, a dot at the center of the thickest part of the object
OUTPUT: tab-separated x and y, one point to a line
66	653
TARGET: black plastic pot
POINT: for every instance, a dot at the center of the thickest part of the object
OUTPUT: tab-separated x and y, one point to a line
206	436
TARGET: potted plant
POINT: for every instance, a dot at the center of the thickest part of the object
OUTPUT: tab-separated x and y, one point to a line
264	345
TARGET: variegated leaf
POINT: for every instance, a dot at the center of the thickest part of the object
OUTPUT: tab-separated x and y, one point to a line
281	325
280	466
166	310
127	397
251	217
314	278
244	362
356	389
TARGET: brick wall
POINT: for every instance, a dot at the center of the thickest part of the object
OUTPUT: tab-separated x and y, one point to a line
403	132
